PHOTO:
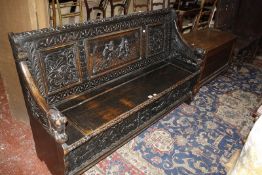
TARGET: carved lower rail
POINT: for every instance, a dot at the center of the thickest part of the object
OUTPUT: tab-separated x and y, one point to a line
84	155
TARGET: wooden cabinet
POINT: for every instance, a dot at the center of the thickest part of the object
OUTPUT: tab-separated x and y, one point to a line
218	47
226	14
243	18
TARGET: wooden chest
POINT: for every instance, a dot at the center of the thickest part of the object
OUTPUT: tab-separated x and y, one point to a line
218	48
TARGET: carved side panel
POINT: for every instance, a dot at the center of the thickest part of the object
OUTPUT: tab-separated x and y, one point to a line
34	66
156	39
35	110
60	67
113	51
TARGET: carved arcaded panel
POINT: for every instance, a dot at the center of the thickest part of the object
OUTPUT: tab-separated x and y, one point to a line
156	39
60	67
113	51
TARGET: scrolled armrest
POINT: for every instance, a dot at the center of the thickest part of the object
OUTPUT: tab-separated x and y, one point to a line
181	51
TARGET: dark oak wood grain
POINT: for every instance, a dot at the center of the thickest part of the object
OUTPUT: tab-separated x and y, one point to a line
93	113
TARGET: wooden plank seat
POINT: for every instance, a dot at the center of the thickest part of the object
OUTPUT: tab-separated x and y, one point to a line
91	87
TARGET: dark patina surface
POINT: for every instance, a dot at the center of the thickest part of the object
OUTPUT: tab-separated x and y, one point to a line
91	87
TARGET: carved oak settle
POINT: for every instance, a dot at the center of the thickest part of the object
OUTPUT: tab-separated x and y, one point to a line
91	87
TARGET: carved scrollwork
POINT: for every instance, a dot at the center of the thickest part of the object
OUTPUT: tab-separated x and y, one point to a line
36	111
102	79
180	50
86	36
54	121
34	66
127	49
61	68
59	35
104	140
156	35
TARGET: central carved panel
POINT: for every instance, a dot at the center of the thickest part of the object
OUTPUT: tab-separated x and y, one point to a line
113	51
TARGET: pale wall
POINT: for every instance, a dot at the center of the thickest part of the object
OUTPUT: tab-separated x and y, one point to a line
17	16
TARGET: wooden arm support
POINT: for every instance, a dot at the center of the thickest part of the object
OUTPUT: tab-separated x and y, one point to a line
57	121
187	54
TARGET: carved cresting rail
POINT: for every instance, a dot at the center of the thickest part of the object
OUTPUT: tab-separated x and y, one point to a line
86	86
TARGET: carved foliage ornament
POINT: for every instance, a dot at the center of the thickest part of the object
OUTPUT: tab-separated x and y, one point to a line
53	36
156	36
35	41
54	121
60	68
48	38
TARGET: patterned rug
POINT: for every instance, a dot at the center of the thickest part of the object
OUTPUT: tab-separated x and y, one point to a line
186	141
233	97
193	139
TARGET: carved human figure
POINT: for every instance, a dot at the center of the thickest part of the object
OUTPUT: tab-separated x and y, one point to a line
108	51
123	49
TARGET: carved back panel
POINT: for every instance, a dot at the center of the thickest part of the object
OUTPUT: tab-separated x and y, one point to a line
68	61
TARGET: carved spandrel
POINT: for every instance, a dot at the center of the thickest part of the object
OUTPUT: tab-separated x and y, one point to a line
60	67
113	51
